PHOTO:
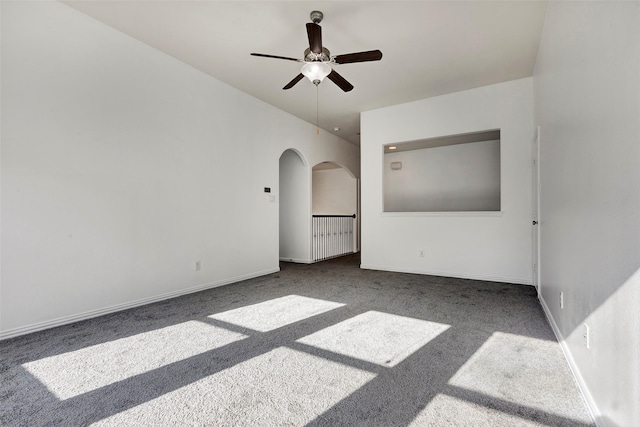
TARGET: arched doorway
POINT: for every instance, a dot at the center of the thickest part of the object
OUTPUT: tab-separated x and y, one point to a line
295	207
335	211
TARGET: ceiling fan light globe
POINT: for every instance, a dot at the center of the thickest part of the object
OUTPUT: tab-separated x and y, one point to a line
316	71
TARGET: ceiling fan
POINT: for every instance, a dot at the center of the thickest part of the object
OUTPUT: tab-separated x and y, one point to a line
317	58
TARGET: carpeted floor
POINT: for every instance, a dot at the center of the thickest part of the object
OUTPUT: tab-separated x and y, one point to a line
325	344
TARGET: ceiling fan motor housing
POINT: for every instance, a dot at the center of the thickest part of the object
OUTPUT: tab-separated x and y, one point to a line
324	56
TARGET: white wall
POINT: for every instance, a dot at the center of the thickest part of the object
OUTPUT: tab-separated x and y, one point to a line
485	246
334	192
461	177
122	166
587	97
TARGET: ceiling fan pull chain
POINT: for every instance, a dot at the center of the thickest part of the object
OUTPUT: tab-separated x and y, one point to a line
317	108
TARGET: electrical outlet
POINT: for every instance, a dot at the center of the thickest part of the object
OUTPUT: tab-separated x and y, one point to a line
587	336
421	253
561	299
198	265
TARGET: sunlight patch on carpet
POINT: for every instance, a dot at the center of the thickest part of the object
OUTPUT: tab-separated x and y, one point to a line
376	337
276	313
71	374
280	387
522	370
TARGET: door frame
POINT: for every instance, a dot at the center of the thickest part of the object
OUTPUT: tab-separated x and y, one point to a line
535	211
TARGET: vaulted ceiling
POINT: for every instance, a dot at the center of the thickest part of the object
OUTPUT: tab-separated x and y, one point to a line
429	47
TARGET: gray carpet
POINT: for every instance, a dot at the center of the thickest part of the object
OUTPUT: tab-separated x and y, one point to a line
320	345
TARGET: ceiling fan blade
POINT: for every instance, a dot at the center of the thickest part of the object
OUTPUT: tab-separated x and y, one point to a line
276	57
371	55
295	80
340	81
314	31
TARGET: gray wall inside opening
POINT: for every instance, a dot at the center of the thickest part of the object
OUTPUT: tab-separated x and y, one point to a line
459	173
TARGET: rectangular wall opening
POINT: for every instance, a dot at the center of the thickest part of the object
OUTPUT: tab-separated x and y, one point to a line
453	173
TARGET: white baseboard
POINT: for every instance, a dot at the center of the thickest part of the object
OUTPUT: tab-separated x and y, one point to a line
449	274
40	326
586	395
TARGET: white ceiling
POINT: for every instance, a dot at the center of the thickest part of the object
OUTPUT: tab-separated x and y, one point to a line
429	47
